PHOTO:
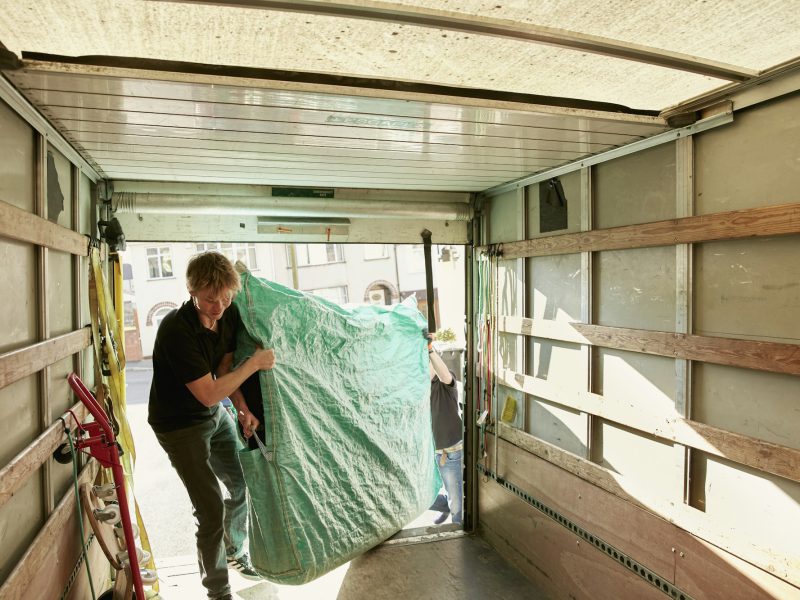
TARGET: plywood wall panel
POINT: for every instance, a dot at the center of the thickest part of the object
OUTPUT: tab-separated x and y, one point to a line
755	403
639	457
621	375
700	569
60	292
504	218
20	520
751	162
510	350
552	557
709	573
61	396
562	427
18	317
761	508
86	221
19	417
635	288
560	363
748	289
555	287
16	168
638	188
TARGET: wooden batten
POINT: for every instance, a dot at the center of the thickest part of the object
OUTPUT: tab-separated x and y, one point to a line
753	452
43	570
18	364
783	219
18	224
747	354
668	539
14	475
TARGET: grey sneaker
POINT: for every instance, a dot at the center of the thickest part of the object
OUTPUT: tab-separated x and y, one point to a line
242	566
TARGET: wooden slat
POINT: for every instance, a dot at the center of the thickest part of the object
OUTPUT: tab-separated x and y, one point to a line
32	577
751	222
26	361
752	452
749	354
24	226
774	357
646	528
14	475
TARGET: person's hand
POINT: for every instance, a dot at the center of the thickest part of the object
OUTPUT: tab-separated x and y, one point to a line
429	338
264	359
249	422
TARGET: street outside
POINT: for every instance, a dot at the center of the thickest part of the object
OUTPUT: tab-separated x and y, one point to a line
163	502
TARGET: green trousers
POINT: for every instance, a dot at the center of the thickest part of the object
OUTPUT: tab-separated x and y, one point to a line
203	454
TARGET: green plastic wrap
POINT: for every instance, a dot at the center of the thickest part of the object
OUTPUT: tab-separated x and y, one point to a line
348	456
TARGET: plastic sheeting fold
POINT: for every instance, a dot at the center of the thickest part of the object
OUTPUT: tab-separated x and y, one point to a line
348	457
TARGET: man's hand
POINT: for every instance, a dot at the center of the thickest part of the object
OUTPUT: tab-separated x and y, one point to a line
264	360
249	422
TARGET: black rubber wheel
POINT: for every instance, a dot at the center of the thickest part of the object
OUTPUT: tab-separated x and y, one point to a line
63	454
109	595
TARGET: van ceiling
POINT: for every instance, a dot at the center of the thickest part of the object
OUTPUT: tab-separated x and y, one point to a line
415	95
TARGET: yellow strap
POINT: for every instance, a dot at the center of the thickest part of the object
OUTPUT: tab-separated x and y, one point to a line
109	352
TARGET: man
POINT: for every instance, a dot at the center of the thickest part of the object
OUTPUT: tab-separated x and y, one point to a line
447	435
192	359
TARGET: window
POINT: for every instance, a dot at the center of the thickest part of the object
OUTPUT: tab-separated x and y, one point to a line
234	251
379	294
334	294
416	262
376	251
317	254
129	315
160	314
127	278
159	262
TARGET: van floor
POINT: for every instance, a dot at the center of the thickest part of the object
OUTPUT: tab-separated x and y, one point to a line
463	567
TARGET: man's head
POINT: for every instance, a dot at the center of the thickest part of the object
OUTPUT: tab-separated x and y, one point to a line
212	272
212	282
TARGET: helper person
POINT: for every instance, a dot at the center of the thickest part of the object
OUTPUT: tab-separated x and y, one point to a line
192	360
447	436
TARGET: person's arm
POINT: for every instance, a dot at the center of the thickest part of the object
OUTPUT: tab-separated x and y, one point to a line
248	420
439	367
210	391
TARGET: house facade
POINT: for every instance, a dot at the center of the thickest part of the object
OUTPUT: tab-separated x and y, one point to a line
349	274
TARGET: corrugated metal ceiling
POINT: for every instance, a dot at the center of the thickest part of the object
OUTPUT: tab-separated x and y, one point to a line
529	107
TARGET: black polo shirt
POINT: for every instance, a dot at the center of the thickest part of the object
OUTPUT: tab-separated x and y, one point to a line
444	413
184	351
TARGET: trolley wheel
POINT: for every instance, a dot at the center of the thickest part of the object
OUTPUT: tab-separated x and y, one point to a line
63	454
109	595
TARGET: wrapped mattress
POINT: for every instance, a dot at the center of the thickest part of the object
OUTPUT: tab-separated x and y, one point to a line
347	458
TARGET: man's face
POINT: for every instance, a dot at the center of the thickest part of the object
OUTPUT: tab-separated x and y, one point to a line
212	303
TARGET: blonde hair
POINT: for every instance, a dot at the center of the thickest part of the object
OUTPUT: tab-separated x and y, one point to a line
211	270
